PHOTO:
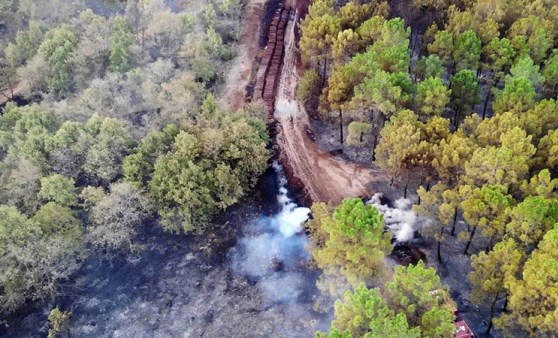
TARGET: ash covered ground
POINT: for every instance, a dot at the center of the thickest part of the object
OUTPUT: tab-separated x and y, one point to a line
197	287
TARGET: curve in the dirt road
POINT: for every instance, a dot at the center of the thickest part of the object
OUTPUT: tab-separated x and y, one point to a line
323	176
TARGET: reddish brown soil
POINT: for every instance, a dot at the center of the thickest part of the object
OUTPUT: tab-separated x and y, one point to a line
316	175
240	71
325	177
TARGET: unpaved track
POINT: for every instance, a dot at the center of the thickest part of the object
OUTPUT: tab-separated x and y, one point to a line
240	70
326	178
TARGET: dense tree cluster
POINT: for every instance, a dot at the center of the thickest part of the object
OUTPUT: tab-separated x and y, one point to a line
467	108
413	304
349	240
124	132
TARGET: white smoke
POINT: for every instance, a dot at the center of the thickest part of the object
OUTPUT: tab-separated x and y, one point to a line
400	219
275	253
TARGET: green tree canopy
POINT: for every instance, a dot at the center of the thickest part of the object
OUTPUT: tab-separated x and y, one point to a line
59	189
533	296
418	292
354	241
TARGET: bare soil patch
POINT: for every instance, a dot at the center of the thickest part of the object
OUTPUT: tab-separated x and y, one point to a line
240	70
325	177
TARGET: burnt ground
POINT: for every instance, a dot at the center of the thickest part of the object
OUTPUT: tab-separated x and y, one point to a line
179	286
455	267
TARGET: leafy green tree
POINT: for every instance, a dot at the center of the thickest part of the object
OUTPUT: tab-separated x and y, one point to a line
364	313
547	151
531	219
506	165
37	254
532	36
397	142
354	241
138	167
68	148
490	131
467	51
319	29
532	296
429	66
524	67
432	96
491	270
58	48
443	46
26	45
59	323
342	83
550	73
386	92
207	171
59	189
418	292
465	91
352	15
112	142
346	44
498	55
518	96
540	120
371	30
116	217
24	132
451	155
122	40
485	208
541	184
308	87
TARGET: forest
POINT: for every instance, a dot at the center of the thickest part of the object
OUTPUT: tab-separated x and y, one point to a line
122	126
113	120
464	110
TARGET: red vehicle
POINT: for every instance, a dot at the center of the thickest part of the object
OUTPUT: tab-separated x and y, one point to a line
462	330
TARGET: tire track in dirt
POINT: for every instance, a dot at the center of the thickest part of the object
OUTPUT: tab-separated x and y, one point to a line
238	77
326	178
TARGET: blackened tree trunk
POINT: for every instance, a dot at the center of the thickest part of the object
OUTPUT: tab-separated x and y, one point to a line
454	222
492	307
407	185
341	126
439	250
470	240
488	96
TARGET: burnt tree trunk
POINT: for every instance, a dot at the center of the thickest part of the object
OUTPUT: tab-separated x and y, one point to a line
341	126
470	240
492	308
454	222
439	250
488	96
407	185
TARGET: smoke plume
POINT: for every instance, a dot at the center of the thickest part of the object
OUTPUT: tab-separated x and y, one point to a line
275	252
399	218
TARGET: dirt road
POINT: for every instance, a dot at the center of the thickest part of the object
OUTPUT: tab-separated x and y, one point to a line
325	177
240	70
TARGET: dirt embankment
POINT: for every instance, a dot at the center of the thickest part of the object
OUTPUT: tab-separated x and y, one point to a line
314	174
323	176
240	71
